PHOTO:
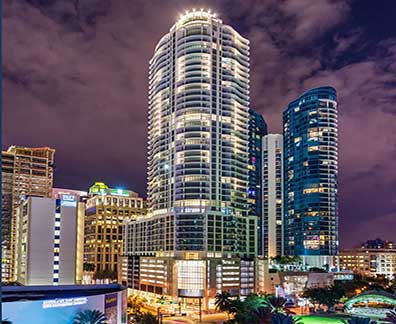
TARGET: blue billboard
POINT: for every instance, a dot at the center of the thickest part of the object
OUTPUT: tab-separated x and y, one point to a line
65	310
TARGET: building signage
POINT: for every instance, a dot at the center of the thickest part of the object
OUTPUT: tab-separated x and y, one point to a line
192	293
68	200
343	276
111	308
119	192
64	302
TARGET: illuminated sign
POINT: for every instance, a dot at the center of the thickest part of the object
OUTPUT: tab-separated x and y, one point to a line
111	308
68	200
343	276
119	192
65	309
111	300
194	293
190	210
68	197
53	303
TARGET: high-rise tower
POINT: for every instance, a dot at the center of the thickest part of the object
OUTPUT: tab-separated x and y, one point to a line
271	240
198	157
257	130
25	172
310	184
198	136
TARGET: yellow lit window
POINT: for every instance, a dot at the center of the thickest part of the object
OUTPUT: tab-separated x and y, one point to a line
313	148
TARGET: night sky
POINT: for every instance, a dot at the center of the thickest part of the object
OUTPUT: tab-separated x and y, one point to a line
75	78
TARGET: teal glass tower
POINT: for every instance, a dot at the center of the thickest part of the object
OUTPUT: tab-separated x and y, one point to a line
310	176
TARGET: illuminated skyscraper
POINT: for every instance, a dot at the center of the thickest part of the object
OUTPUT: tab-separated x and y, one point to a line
25	172
105	211
271	238
198	158
257	130
310	184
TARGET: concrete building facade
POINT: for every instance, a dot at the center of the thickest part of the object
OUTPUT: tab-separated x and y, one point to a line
49	239
272	184
369	261
105	211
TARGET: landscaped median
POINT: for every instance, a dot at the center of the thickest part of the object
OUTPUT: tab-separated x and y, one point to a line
332	319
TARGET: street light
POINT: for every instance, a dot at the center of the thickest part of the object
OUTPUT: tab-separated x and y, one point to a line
159	315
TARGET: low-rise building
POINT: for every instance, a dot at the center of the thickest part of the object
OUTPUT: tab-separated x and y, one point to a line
185	279
369	261
290	284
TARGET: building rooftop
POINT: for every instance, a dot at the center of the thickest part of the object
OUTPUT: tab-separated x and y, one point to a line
100	188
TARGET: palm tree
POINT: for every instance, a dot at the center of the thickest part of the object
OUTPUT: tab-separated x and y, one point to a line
90	317
252	311
236	305
391	317
223	302
161	300
360	320
135	305
89	267
262	315
277	305
280	318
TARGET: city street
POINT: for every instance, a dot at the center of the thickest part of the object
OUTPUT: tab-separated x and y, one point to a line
194	319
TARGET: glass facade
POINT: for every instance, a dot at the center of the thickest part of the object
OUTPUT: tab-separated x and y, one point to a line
257	130
310	174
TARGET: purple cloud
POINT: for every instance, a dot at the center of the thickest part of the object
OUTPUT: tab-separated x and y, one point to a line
75	77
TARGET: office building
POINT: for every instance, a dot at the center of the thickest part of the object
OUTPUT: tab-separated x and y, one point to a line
106	209
49	239
271	238
369	261
25	172
310	176
199	229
